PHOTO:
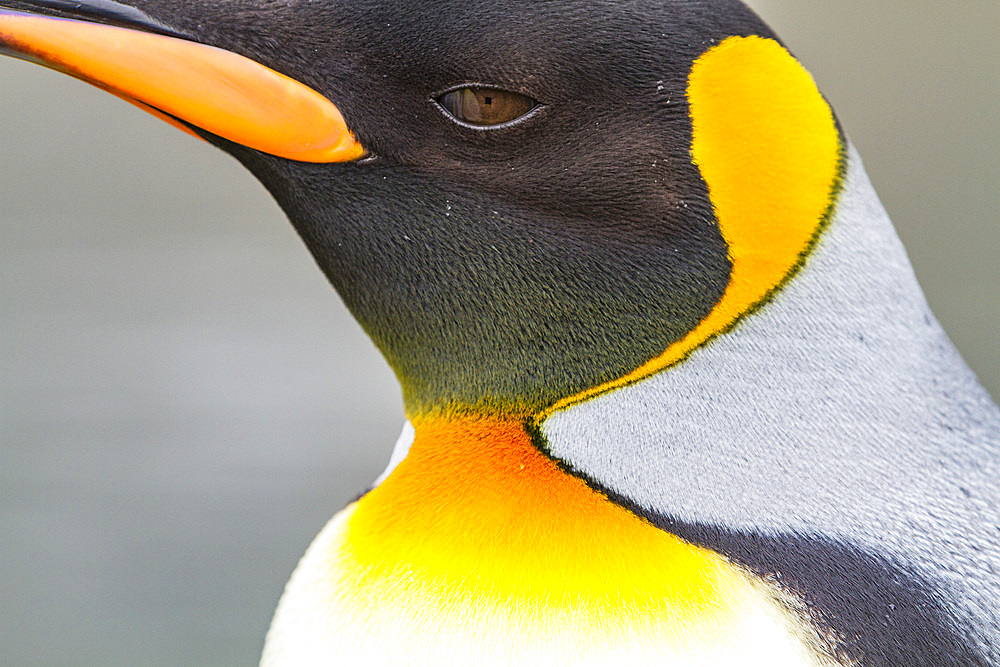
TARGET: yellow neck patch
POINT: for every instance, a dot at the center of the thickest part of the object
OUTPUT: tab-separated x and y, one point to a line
476	507
478	547
768	147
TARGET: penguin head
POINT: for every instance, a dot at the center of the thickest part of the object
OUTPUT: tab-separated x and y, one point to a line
523	215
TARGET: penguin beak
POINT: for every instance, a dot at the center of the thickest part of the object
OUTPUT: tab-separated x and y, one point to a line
181	81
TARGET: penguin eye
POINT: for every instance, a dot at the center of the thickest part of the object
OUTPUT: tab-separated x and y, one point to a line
485	107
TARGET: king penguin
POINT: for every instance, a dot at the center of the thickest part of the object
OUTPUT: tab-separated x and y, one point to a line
673	394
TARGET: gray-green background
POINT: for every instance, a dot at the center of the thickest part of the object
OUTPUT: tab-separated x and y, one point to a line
185	402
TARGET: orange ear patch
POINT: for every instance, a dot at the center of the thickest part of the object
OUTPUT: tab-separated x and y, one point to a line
768	147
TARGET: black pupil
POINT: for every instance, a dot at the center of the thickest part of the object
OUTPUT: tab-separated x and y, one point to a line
486	106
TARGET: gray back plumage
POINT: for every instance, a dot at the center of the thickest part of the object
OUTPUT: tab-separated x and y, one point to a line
839	411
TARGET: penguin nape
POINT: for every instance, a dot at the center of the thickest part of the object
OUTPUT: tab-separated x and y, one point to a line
673	393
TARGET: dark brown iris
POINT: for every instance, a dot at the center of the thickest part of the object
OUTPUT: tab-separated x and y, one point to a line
486	107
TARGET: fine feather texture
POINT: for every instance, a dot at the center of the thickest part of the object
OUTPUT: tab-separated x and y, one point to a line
812	480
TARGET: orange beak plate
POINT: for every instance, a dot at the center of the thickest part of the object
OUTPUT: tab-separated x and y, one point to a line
210	88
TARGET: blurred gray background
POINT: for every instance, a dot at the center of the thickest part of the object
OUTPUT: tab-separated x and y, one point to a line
185	402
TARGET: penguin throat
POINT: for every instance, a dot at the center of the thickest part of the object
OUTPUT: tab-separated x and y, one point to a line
478	540
476	501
